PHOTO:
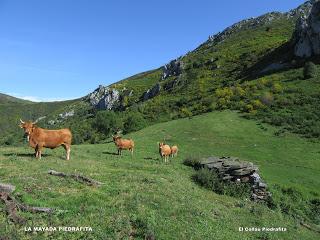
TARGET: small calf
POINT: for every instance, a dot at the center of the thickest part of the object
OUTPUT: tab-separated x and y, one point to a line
174	151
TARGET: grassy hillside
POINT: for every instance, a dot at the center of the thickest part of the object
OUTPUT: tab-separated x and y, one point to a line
144	197
12	110
9	99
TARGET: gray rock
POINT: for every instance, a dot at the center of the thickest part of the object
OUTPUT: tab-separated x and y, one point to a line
152	92
104	98
173	68
66	114
7	188
262	185
51	122
306	38
232	169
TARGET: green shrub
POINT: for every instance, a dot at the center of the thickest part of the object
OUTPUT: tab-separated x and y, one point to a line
210	179
249	108
314	211
134	122
107	122
277	88
192	162
185	112
257	104
309	70
267	98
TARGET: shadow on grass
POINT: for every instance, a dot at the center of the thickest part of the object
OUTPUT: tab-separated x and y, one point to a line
25	154
111	153
152	159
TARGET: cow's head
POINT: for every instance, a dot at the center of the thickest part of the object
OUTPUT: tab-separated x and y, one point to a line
27	127
116	137
161	144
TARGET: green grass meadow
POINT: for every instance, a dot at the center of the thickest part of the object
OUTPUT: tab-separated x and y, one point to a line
143	198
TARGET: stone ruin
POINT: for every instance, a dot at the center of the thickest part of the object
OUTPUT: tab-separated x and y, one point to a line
232	169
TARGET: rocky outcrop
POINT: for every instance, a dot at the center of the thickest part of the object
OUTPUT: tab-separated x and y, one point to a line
302	10
306	38
265	19
232	169
152	92
173	68
66	114
104	98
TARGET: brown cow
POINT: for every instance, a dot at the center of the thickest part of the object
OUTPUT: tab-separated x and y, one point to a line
40	138
174	151
123	144
164	151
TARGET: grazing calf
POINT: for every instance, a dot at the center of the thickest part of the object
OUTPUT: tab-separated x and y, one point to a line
164	151
174	151
123	144
40	138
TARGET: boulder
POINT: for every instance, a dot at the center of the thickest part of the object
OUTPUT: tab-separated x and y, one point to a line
7	188
233	169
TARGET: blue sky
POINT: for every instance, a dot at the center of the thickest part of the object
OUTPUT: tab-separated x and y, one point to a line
63	49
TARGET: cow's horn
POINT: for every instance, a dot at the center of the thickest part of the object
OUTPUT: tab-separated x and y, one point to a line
35	121
22	121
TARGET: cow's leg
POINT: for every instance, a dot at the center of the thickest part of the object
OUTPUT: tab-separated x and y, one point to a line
39	152
67	147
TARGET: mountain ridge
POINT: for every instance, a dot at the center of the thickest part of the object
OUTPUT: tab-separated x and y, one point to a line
243	68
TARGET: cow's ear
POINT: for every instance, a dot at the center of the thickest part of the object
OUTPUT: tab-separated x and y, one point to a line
20	125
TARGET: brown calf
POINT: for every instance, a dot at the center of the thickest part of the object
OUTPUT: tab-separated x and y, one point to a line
123	144
174	151
40	138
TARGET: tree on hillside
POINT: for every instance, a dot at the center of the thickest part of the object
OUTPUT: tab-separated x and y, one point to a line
309	70
107	122
134	122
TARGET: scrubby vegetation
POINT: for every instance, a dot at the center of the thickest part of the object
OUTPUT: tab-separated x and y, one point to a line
210	179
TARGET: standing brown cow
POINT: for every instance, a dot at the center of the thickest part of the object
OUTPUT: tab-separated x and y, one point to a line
40	138
123	144
164	151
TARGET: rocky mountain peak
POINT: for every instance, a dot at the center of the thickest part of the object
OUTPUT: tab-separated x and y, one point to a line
306	38
253	22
